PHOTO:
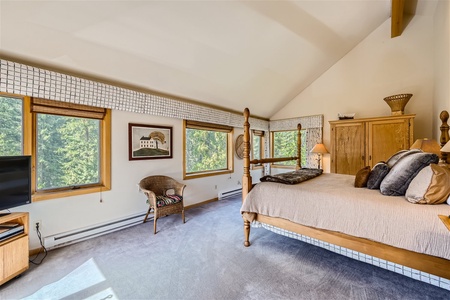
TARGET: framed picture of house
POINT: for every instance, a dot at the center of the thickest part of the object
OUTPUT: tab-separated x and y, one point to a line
149	141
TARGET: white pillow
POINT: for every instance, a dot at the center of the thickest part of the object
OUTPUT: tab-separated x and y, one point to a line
419	185
430	186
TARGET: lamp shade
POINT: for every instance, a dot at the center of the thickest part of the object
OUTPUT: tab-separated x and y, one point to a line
319	148
427	145
446	147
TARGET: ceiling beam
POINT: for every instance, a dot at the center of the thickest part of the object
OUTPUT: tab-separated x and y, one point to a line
397	17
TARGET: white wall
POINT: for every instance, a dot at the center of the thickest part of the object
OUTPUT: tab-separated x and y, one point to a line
378	67
441	56
124	199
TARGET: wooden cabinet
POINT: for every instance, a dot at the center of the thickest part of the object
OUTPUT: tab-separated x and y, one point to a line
358	143
14	251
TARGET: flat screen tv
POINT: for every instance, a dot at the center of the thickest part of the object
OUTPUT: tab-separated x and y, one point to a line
15	181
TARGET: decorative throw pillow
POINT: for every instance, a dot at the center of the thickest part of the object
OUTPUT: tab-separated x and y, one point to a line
404	170
379	171
362	176
397	156
430	186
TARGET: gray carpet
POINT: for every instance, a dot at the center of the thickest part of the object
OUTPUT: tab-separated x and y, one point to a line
205	259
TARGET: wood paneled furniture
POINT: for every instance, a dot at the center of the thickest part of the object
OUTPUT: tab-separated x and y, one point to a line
358	143
14	251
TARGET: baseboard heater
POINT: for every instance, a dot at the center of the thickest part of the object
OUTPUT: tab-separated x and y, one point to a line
225	194
78	235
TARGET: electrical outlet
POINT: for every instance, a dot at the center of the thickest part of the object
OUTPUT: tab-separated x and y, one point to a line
215	187
38	224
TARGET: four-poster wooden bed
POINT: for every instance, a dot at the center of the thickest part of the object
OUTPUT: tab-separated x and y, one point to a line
412	260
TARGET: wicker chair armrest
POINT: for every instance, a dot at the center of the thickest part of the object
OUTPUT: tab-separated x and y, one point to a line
151	196
179	188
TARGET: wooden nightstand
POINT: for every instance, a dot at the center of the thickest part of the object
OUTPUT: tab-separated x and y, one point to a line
14	250
446	220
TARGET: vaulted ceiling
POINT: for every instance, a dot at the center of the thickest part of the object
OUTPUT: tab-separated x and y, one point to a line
228	54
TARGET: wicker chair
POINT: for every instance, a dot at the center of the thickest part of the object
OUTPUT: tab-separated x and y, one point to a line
161	202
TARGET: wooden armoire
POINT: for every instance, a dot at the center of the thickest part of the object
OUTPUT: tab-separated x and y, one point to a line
357	143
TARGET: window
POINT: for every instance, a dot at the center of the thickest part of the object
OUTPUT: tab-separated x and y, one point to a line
284	144
207	149
257	146
67	152
69	144
11	130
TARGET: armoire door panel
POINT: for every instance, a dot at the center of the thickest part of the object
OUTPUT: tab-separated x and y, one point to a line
349	148
386	138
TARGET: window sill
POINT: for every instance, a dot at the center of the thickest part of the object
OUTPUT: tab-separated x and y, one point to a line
206	174
39	196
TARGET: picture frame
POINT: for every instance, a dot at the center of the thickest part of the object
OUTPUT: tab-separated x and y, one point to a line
149	141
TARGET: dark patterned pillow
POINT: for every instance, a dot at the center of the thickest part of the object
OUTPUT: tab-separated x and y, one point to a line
399	155
361	177
379	171
397	180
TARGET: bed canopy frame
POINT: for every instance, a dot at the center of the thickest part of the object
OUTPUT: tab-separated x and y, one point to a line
422	262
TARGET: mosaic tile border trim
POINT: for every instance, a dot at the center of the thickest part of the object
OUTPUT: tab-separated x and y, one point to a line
384	264
308	122
16	78
20	79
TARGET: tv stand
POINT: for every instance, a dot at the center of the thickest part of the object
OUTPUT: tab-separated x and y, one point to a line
14	251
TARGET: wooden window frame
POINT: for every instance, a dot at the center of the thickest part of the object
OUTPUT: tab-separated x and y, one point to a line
188	124
32	106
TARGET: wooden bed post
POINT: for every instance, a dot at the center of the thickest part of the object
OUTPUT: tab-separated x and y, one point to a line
444	133
246	178
299	147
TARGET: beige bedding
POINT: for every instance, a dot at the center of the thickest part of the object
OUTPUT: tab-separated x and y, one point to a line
331	202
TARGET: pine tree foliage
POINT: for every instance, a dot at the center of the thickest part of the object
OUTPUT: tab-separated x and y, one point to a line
285	145
206	150
10	126
67	151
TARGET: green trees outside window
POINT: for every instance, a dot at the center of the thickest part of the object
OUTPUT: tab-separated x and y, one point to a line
11	128
67	151
285	145
256	146
206	150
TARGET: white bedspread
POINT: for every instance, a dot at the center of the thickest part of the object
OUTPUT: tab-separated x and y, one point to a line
331	202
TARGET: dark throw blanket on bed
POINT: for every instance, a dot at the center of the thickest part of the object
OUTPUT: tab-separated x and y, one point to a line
293	177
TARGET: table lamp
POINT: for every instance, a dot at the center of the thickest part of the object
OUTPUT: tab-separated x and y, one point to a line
320	150
427	145
445	149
